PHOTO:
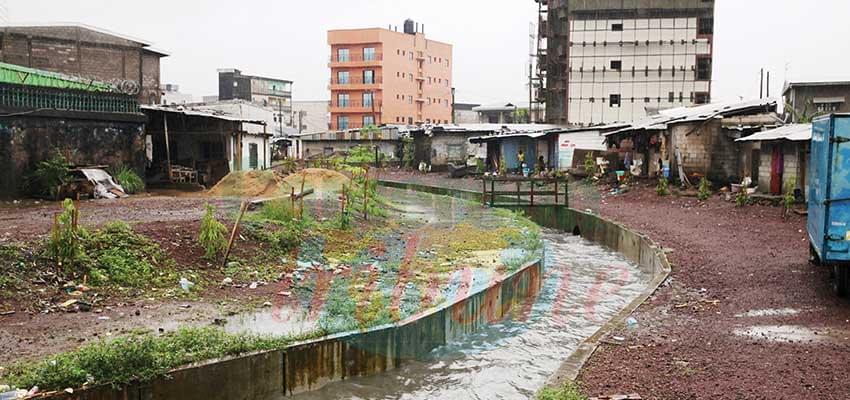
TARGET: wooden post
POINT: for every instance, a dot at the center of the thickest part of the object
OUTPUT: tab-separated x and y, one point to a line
518	187
484	192
556	191
366	196
492	192
342	202
167	145
242	210
301	207
532	192
292	199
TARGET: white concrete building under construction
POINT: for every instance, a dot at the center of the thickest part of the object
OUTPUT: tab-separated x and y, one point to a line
604	61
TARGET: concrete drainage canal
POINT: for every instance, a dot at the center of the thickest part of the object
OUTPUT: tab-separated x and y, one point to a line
583	286
462	302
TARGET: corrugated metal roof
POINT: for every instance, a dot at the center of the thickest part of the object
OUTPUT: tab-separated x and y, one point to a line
200	113
694	114
19	75
793	132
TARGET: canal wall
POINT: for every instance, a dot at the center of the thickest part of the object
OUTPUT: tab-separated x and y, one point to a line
309	366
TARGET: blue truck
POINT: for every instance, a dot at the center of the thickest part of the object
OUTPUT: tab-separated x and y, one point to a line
829	198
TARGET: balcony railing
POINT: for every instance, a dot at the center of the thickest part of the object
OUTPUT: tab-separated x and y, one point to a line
351	125
356	80
356	104
31	97
356	57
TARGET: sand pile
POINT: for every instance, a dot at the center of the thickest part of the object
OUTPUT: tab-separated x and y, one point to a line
250	184
323	181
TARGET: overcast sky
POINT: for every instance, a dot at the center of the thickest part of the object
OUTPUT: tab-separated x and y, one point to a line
810	39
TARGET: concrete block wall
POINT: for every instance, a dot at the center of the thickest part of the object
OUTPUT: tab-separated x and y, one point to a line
706	149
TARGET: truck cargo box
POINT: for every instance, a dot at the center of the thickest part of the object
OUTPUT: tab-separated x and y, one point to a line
829	196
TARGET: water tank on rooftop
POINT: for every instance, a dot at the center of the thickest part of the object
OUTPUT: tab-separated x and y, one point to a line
409	27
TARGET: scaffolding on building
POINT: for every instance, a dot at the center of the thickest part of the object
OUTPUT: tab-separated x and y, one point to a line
550	78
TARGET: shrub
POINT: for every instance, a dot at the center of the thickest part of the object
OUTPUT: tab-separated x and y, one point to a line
213	234
663	187
568	391
789	199
704	189
408	152
743	198
128	179
50	175
589	165
65	244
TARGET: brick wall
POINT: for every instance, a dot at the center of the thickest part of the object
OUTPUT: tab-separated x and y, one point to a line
706	150
85	53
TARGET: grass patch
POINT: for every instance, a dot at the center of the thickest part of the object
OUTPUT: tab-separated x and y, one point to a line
122	257
568	391
128	179
139	358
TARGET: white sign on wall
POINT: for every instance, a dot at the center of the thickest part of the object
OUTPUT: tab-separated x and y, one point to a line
566	152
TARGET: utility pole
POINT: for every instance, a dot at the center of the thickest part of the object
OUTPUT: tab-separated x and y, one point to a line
768	84
761	85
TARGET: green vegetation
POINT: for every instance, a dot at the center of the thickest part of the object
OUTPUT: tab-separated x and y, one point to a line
213	234
663	187
279	224
140	357
122	257
408	151
742	198
49	176
65	244
789	199
128	179
111	255
568	391
503	166
704	190
589	165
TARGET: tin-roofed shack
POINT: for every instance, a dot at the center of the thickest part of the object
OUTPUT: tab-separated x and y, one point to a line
560	148
314	145
780	158
42	113
192	146
703	137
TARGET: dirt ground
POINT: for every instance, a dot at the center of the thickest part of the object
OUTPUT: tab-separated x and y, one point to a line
743	315
27	331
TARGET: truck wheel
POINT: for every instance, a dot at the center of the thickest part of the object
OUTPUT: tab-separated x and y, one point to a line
841	281
814	259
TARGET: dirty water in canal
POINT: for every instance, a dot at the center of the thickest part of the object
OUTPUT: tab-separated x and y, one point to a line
584	286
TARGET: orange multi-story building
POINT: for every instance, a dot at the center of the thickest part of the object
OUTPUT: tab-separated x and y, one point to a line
381	76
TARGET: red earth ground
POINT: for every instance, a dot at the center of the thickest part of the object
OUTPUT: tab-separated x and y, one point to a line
698	337
31	326
742	316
